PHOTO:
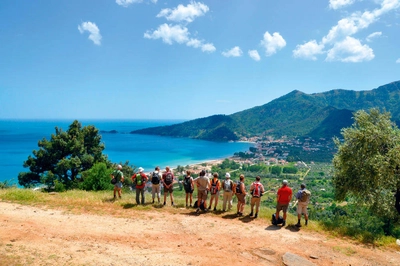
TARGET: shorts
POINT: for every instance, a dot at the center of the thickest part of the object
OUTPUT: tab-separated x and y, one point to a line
216	195
241	198
118	185
190	191
202	194
170	189
282	206
302	208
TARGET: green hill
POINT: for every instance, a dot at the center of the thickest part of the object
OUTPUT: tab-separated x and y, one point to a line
294	114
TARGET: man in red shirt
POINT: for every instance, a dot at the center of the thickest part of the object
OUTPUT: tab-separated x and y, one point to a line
284	196
139	179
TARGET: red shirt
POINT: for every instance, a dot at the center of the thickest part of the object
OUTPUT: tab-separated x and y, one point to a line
284	195
144	179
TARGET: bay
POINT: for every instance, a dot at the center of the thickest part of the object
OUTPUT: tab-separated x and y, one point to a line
18	138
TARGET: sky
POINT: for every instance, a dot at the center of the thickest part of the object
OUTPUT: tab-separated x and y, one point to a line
154	59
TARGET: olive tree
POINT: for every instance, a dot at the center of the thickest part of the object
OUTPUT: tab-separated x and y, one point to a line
65	156
367	164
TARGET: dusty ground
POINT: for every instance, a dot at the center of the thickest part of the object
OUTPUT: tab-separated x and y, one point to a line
168	236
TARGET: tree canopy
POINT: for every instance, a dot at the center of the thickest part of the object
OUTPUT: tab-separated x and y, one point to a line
367	164
65	156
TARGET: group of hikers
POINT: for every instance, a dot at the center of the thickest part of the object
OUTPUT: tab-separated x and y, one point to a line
214	186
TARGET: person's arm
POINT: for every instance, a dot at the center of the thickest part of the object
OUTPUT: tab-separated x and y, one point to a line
251	186
133	178
145	178
122	177
192	182
243	189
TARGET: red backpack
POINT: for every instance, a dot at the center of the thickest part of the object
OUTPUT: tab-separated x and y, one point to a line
256	190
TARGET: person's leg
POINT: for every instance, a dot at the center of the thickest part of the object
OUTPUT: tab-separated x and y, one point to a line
242	206
115	192
137	196
238	205
153	192
142	194
187	198
224	200
191	198
216	201
211	201
158	192
165	195
252	202
257	202
205	199
230	197
171	195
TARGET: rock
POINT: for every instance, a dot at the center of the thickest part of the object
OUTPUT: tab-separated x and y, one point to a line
398	242
290	259
314	257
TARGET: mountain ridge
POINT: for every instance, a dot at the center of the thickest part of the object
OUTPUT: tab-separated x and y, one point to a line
297	113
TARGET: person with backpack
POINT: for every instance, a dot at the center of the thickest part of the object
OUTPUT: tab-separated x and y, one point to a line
303	199
168	183
203	186
189	187
283	197
214	189
155	184
227	187
119	178
240	191
257	190
139	179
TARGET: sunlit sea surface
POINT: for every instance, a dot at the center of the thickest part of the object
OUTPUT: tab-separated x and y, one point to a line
18	138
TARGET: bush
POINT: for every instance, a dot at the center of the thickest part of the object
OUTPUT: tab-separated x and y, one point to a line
96	178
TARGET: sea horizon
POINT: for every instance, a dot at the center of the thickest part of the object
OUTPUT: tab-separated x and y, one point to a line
19	137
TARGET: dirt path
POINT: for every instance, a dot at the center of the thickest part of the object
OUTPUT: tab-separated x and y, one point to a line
36	236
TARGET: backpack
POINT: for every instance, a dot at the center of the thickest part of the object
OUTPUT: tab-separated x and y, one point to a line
256	190
214	187
138	179
276	221
305	195
168	178
238	190
228	185
155	178
187	184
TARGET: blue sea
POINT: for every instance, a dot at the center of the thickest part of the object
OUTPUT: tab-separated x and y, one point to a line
18	138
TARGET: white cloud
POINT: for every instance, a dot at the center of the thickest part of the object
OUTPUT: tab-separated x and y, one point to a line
184	13
178	34
126	3
234	52
254	55
336	4
94	32
208	47
308	50
340	35
373	35
398	61
350	50
272	43
154	1
169	34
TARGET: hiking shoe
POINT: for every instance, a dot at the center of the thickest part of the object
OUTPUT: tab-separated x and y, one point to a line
215	208
153	202
209	207
164	203
198	210
306	222
251	214
255	216
172	203
240	214
190	205
284	223
298	225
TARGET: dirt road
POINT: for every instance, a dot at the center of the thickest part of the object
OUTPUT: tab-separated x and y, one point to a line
40	236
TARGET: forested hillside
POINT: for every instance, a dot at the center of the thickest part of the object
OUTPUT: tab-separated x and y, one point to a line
294	114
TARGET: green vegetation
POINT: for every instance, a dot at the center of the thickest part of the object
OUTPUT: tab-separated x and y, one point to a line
320	115
367	164
70	159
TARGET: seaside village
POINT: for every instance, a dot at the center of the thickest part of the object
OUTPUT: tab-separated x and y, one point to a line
270	151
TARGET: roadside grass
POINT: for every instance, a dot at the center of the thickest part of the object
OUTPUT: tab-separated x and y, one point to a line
102	203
